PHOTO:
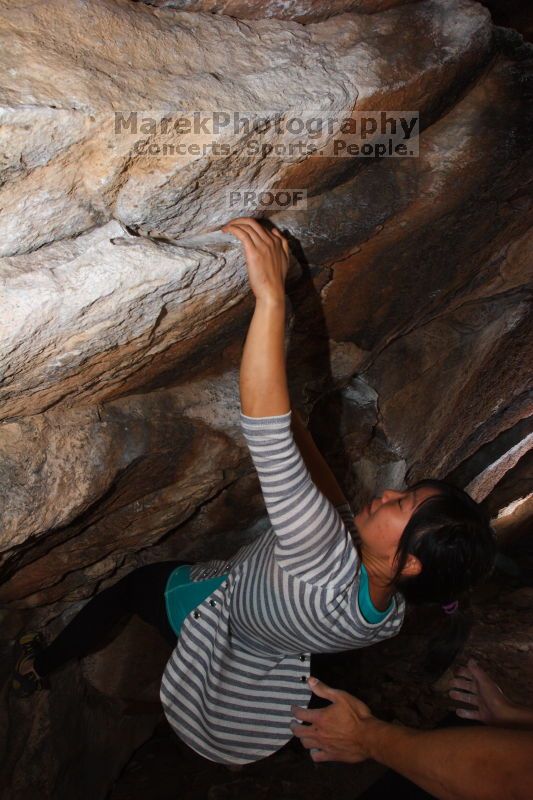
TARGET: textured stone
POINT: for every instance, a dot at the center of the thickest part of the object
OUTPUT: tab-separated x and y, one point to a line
414	303
126	473
88	312
126	298
434	383
132	61
303	11
74	742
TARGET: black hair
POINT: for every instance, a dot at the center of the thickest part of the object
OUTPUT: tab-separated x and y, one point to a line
452	537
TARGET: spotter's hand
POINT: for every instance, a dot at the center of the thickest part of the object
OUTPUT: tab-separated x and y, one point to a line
337	732
267	257
472	685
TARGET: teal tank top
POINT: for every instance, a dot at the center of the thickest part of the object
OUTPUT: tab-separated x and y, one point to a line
182	594
367	607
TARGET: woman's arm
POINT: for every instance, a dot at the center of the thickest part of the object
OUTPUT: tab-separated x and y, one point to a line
263	377
312	541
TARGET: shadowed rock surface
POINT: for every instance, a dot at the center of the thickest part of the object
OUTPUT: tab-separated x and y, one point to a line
123	314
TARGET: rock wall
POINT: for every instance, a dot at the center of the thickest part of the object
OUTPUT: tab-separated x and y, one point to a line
124	308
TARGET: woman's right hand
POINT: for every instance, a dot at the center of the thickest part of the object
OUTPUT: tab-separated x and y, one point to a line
267	257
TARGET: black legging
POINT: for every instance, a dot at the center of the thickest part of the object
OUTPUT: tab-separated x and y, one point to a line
140	592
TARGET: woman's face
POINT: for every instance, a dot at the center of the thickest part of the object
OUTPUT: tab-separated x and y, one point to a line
381	523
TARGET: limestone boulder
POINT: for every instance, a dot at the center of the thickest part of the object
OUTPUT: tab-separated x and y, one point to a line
303	11
122	239
88	312
403	269
121	475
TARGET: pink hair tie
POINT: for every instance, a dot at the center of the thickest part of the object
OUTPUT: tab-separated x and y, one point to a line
451	608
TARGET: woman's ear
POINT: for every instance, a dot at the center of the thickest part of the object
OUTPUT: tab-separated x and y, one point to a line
413	566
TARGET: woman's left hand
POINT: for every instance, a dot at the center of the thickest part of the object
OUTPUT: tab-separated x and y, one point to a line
267	257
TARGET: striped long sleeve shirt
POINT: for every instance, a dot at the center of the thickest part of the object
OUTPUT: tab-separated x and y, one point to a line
243	655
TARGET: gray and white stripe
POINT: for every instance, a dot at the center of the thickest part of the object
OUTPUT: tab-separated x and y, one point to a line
243	656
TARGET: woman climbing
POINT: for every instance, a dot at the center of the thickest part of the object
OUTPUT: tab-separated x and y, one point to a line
318	581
